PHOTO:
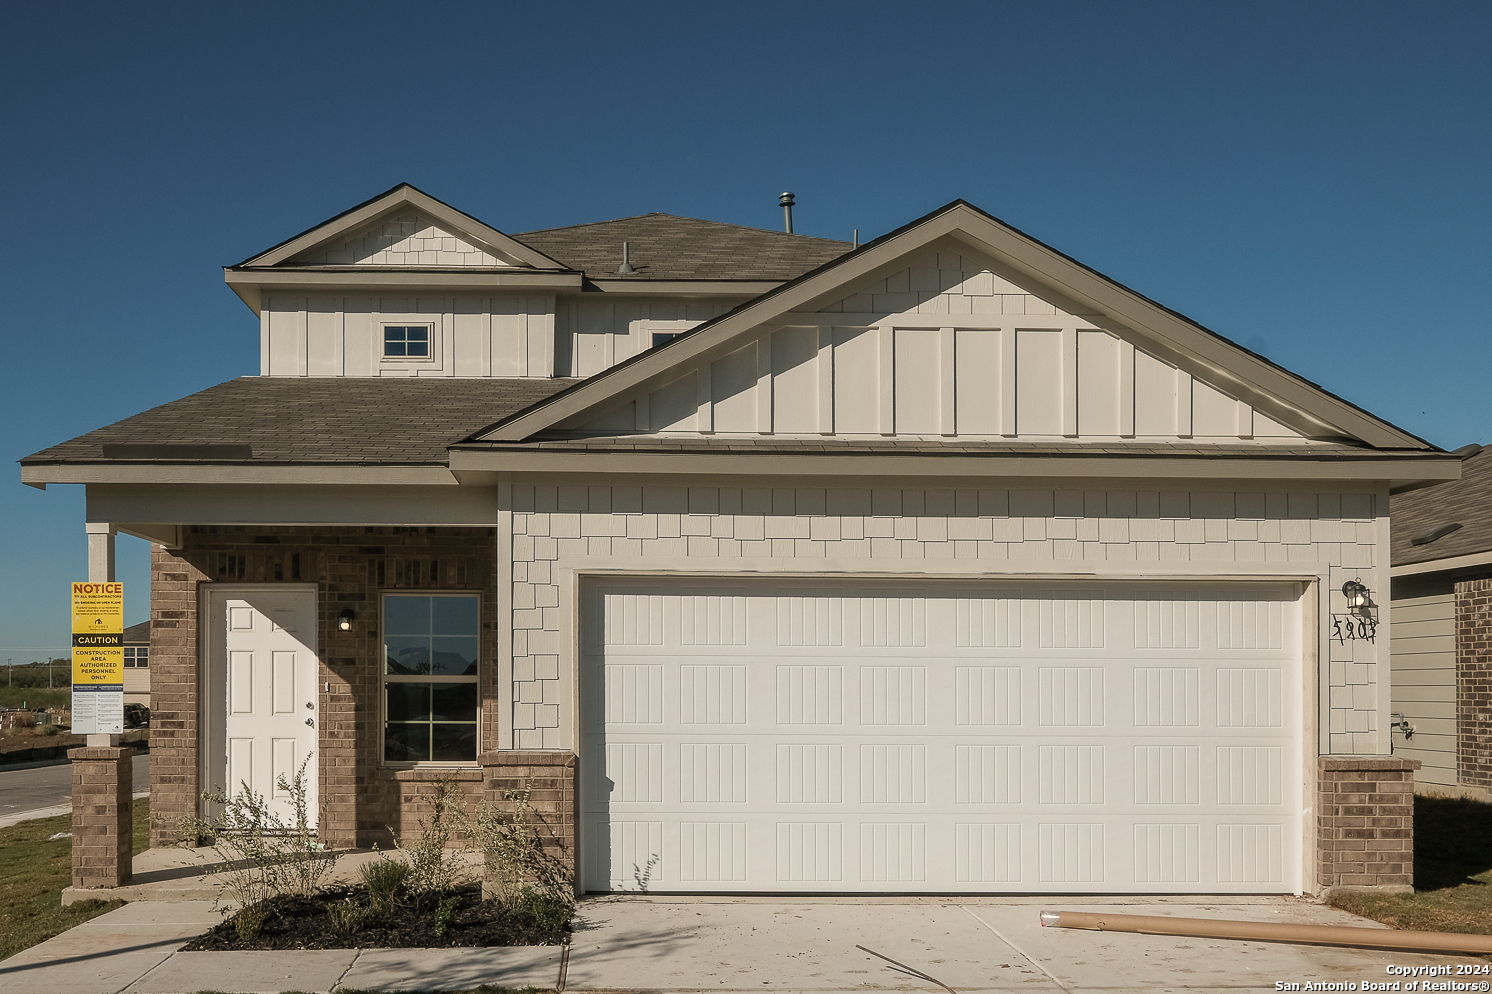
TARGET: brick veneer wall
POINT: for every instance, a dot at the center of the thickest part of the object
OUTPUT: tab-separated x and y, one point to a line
1474	683
550	779
350	566
103	816
1366	822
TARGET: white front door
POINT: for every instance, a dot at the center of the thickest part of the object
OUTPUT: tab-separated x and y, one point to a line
260	700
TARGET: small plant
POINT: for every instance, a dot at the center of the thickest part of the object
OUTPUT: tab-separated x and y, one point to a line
645	874
249	921
348	916
264	856
445	913
385	881
434	869
550	914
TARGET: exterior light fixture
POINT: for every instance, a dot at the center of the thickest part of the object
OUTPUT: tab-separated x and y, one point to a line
1357	596
345	619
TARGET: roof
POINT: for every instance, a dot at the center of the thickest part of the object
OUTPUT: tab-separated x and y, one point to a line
1467	502
668	247
136	634
355	420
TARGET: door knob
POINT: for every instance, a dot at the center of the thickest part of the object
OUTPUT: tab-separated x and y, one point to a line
311	722
310	706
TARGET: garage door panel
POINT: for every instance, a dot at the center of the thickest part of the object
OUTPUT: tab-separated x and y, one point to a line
953	737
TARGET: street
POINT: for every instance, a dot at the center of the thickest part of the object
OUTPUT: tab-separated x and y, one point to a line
50	786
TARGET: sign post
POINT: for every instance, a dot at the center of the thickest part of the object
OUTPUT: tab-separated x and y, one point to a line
98	658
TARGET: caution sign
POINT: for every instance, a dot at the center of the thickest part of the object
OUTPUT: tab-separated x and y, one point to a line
98	658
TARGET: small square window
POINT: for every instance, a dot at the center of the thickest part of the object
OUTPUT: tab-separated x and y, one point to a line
660	337
136	657
406	341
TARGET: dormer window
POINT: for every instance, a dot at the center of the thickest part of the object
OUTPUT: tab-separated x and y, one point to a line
406	341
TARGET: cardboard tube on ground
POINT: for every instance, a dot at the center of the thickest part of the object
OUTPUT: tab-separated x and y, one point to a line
1318	935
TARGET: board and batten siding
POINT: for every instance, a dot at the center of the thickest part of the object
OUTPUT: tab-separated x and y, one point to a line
343	336
1424	683
943	348
559	530
594	335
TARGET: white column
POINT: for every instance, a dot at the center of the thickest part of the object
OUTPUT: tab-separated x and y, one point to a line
101	570
100	552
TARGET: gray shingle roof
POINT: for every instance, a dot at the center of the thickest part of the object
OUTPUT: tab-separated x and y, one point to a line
355	420
136	634
1467	501
668	247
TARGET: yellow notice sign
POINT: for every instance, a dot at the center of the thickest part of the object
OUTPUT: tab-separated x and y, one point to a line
98	626
98	607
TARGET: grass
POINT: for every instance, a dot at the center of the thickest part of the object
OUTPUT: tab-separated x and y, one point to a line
35	697
33	871
1452	872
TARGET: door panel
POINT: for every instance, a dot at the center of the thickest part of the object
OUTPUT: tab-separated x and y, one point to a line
945	736
260	696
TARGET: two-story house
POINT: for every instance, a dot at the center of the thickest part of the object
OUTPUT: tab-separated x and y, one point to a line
940	564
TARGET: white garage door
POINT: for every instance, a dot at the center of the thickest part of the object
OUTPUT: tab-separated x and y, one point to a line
941	737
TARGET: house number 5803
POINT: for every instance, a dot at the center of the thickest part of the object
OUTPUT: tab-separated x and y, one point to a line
1346	628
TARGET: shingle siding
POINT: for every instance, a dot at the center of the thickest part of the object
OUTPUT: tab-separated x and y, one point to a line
725	528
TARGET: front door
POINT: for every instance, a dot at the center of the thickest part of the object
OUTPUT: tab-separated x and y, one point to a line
260	700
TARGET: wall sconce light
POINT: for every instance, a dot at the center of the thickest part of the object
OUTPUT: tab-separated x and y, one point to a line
1356	593
345	619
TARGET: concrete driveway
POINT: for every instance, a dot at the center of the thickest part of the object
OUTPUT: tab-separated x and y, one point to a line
968	945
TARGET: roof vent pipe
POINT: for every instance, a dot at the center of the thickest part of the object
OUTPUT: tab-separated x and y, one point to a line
857	238
625	269
786	200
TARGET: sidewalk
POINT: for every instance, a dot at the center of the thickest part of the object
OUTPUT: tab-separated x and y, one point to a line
734	945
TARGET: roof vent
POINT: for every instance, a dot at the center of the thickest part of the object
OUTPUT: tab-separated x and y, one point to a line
1467	451
786	200
625	269
1439	531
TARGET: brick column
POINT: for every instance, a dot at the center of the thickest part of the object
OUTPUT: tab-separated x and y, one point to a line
550	778
103	816
1474	683
1366	823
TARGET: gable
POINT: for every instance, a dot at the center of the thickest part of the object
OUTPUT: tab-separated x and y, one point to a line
939	368
406	239
1150	372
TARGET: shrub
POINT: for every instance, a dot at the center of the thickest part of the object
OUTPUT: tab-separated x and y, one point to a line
434	869
264	856
348	916
518	867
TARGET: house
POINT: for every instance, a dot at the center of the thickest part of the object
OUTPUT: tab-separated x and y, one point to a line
1441	578
136	642
940	564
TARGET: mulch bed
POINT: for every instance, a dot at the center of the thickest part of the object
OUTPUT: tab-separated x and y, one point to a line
303	923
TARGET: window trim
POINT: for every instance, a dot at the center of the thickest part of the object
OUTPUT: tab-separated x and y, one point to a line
385	325
383	678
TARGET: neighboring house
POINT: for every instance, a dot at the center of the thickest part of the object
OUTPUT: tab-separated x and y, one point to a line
941	564
1442	642
137	664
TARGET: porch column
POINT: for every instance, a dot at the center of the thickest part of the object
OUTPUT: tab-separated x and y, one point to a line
103	773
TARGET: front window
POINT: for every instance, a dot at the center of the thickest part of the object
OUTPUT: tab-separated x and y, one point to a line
137	656
406	341
430	678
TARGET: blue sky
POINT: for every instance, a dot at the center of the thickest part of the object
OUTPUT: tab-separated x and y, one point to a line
1308	179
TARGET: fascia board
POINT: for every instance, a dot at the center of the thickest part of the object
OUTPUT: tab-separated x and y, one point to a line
682	288
1181	337
259	280
1439	565
396	199
711	335
41	474
466	461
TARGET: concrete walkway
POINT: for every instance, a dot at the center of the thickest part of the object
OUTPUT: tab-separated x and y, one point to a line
733	945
